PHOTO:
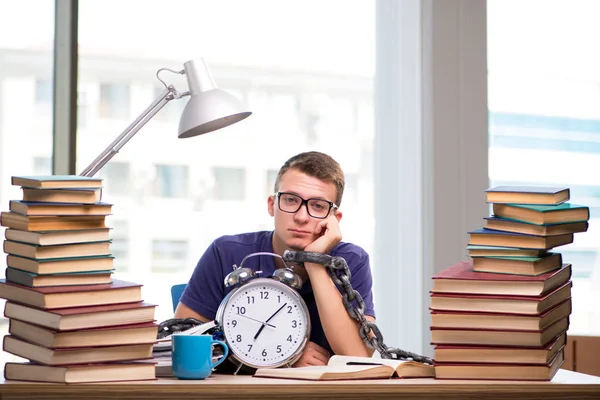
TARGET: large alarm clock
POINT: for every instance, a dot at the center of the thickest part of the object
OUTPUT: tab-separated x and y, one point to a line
264	321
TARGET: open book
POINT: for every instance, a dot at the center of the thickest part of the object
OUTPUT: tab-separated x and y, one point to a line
348	367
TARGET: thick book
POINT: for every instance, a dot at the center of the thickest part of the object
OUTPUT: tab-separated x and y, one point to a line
499	336
45	208
509	225
72	296
504	304
37	252
482	320
56	181
499	355
73	318
109	372
526	266
61	265
474	250
489	237
51	223
542	215
48	238
92	337
460	278
512	372
85	355
30	279
76	196
348	367
528	195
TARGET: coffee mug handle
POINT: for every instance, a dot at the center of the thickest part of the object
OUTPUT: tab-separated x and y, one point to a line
225	353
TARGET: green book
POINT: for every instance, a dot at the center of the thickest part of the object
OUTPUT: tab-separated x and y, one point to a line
542	214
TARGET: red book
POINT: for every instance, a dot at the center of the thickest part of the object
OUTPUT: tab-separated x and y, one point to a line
499	355
460	278
503	304
72	318
499	336
72	296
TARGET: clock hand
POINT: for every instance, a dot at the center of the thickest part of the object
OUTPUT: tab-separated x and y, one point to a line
268	319
263	323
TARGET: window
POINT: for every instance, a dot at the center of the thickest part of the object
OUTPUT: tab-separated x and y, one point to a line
271	177
83	110
544	116
119	247
116	178
169	255
230	183
42	166
43	91
172	110
114	101
171	181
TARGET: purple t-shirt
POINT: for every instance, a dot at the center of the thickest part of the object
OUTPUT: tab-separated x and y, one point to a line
206	290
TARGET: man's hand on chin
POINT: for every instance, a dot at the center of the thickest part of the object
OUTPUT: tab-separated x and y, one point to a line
328	236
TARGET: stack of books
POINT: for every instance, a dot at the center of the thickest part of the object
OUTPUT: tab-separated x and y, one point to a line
504	314
68	316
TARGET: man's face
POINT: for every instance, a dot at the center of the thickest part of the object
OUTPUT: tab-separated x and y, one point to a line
296	230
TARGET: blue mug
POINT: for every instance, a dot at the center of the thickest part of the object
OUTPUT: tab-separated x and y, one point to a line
192	355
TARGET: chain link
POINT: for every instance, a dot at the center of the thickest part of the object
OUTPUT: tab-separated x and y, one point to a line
353	302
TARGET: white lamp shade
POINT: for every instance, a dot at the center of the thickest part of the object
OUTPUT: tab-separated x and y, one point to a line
208	111
209	107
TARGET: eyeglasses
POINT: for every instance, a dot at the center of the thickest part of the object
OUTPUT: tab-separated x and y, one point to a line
291	203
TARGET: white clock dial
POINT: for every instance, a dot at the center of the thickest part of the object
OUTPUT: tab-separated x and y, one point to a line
265	323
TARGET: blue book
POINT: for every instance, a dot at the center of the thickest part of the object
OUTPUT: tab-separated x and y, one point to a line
528	195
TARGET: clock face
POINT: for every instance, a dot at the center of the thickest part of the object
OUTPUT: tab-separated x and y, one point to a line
265	323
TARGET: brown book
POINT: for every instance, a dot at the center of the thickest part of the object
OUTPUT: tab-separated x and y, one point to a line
76	196
86	355
58	237
503	304
499	337
57	251
499	355
542	215
51	223
61	265
512	372
45	208
527	195
34	280
73	318
501	224
56	181
109	372
350	367
497	251
460	278
488	237
93	337
72	296
479	320
527	266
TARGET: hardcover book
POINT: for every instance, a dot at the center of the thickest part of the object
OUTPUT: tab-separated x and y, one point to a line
542	215
488	237
461	278
509	225
527	195
56	181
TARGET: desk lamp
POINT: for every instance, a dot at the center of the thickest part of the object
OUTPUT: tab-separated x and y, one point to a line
208	109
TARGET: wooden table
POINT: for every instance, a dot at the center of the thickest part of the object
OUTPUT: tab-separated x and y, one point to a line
566	384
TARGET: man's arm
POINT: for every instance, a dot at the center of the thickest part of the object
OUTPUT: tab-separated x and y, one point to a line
184	311
340	329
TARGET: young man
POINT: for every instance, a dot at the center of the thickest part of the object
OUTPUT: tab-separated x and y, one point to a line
308	192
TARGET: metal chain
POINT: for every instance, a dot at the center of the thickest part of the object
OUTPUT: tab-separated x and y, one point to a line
340	274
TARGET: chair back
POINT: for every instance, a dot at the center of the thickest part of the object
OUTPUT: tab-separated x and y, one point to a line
176	292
